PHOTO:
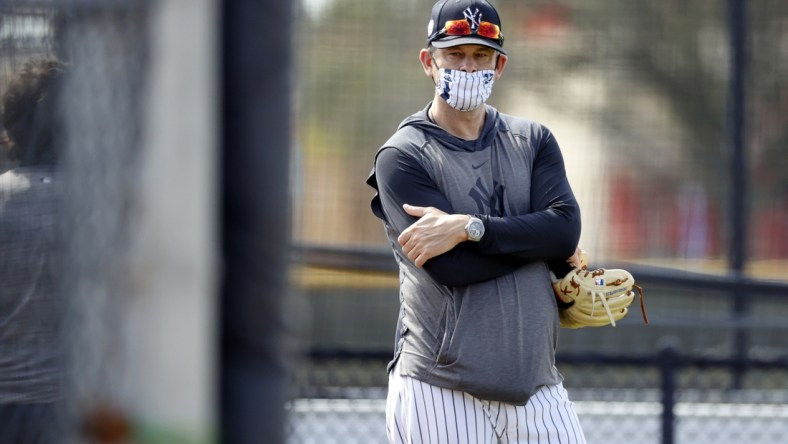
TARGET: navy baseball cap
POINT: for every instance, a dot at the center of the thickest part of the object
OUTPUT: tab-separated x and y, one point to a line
465	22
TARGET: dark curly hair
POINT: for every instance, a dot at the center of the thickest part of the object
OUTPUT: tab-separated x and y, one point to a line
30	117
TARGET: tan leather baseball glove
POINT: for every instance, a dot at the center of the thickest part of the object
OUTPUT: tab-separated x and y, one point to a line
595	298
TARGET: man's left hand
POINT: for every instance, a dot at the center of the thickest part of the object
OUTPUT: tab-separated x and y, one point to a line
435	233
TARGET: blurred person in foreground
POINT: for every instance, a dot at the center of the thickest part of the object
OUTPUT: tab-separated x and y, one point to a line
479	211
30	251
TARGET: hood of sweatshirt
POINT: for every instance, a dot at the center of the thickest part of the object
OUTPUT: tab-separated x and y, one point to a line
422	121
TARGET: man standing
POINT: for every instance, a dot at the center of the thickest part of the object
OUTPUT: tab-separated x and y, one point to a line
30	254
478	210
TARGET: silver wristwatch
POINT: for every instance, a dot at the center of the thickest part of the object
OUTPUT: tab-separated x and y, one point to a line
475	229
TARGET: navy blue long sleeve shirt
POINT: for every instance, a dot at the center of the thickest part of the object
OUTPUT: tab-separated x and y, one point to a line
549	232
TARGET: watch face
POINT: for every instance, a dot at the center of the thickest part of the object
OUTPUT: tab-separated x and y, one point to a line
475	230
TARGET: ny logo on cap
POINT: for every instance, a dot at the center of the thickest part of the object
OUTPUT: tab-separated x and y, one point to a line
473	17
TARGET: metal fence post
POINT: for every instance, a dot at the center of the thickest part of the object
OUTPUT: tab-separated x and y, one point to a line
669	363
737	28
256	73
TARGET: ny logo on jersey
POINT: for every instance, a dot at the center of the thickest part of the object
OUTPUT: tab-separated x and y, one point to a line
473	17
488	202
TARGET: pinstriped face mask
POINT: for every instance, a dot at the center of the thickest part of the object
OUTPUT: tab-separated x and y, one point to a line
465	91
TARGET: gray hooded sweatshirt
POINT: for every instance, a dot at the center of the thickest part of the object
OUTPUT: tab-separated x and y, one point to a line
481	318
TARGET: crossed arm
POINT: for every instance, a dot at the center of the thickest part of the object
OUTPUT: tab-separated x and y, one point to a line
433	236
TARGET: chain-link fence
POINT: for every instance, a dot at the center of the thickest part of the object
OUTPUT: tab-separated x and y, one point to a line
681	375
672	118
104	313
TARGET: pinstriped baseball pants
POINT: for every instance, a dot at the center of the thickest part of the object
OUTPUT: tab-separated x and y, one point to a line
419	413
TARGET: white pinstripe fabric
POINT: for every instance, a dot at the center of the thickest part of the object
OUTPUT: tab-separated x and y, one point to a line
419	413
465	90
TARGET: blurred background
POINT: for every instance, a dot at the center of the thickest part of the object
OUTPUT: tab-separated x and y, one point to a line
672	118
673	121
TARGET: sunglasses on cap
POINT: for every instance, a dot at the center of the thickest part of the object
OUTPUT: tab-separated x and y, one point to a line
463	27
